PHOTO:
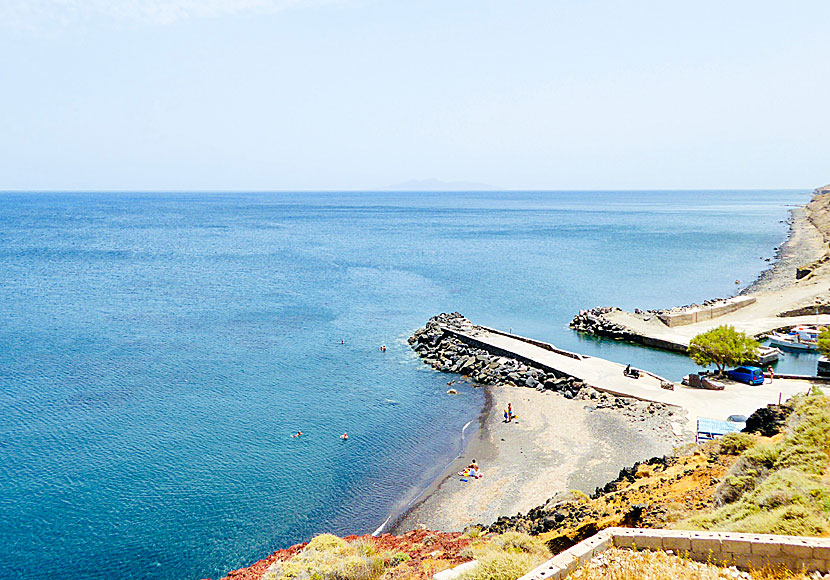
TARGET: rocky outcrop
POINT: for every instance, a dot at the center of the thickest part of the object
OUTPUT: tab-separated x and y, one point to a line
769	420
650	494
594	322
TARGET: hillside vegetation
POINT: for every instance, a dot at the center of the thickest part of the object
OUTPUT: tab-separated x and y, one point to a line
779	485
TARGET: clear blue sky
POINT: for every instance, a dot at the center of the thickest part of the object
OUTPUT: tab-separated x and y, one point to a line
352	94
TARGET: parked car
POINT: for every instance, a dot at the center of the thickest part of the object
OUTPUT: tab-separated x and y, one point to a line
748	375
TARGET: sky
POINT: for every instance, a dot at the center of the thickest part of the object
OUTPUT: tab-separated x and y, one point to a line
362	94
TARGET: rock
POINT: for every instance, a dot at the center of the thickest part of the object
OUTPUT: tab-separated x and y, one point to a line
452	392
769	420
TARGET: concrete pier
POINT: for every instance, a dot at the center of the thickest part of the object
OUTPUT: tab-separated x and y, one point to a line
605	375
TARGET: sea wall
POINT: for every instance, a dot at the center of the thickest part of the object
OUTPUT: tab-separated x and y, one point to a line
594	322
691	315
449	351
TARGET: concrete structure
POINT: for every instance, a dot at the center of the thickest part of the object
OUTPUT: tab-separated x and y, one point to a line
685	316
604	375
723	548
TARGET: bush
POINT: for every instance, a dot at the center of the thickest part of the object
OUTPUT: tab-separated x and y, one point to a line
502	566
518	543
328	557
507	557
779	487
736	443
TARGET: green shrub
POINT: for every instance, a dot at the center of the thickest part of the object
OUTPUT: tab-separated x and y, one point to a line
518	543
779	487
327	543
328	557
506	557
502	566
736	443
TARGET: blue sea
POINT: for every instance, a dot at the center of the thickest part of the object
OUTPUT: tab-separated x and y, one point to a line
158	350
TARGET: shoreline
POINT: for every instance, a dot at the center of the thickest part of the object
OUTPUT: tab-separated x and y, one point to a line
396	520
803	244
570	444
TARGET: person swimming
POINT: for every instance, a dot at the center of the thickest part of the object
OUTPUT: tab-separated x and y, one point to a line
345	436
297	434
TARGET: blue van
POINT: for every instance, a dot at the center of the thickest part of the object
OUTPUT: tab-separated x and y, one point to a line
748	375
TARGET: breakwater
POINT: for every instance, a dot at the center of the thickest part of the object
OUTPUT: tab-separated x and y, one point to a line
595	322
445	344
445	351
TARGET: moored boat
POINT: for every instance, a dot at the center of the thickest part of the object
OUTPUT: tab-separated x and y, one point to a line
800	338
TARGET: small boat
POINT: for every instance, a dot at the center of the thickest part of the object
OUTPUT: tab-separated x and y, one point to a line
800	338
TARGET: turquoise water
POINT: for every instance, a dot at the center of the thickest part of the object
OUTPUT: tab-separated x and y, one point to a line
158	350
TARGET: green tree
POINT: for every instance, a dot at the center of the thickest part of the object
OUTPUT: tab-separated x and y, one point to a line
824	342
723	346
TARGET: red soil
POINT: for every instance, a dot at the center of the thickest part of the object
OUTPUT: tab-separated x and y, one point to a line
421	545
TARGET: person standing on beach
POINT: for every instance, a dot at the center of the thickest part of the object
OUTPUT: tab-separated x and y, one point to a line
771	374
509	412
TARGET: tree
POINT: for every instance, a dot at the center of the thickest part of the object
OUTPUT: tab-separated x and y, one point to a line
824	342
723	346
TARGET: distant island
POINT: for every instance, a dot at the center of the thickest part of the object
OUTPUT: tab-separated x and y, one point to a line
438	185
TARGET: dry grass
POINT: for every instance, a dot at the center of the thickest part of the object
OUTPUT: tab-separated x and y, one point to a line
328	557
617	564
506	557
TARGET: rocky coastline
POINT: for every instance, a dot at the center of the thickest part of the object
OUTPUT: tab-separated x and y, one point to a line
593	321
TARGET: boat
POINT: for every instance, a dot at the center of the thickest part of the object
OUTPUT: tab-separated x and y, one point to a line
800	338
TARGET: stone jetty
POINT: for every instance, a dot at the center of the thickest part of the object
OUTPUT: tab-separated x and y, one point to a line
652	330
447	353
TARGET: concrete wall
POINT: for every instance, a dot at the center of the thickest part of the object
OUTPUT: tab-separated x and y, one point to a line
703	313
722	548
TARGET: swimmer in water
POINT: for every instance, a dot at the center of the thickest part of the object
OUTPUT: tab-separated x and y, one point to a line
297	434
345	436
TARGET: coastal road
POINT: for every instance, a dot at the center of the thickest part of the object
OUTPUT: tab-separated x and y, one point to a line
605	375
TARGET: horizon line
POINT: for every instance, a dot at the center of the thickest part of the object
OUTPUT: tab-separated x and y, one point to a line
382	190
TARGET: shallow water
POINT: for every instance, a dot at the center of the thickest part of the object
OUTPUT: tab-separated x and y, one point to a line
158	350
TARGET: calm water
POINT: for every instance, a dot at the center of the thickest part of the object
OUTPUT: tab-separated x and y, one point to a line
157	351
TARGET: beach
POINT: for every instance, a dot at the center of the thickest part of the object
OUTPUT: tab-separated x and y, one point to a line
555	444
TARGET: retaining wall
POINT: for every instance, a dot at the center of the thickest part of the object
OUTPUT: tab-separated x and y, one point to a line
796	553
701	313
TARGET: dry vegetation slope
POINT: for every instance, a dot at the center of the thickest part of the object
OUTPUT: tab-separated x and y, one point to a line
743	482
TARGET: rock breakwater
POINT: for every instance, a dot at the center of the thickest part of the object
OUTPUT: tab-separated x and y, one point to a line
594	322
447	353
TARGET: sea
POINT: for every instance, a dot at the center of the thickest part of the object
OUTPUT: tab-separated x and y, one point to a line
158	351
